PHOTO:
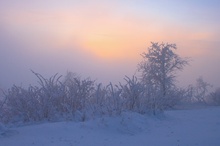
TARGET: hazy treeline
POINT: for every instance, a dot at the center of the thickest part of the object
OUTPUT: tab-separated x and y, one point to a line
74	98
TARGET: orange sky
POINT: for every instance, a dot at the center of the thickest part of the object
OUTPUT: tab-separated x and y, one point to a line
90	36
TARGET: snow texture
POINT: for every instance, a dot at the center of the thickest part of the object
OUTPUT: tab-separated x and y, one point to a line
198	127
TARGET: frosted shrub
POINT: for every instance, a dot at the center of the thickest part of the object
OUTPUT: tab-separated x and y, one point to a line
113	102
198	93
132	93
51	96
78	93
98	103
201	90
22	104
115	99
51	100
153	101
35	103
106	100
2	108
73	97
215	97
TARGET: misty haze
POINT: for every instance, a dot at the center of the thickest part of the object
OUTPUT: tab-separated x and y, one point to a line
111	72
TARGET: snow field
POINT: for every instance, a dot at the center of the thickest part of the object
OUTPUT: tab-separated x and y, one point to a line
199	127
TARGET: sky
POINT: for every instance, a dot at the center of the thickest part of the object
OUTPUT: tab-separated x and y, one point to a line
103	39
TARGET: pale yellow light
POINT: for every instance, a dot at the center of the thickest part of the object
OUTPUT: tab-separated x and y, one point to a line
105	46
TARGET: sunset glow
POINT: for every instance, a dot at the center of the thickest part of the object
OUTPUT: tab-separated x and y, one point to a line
104	34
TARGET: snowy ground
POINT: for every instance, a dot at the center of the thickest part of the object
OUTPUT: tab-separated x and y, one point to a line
200	127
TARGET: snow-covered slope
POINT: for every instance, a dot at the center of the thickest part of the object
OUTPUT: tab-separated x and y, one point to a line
200	127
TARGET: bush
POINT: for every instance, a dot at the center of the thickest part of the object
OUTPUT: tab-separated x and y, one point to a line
79	99
76	98
53	99
215	97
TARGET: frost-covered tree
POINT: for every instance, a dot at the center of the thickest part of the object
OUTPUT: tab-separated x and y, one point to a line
159	67
201	90
215	97
197	93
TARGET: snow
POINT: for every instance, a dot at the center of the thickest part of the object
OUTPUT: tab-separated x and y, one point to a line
198	127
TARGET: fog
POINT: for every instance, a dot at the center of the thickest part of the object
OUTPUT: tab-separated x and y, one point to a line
104	40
